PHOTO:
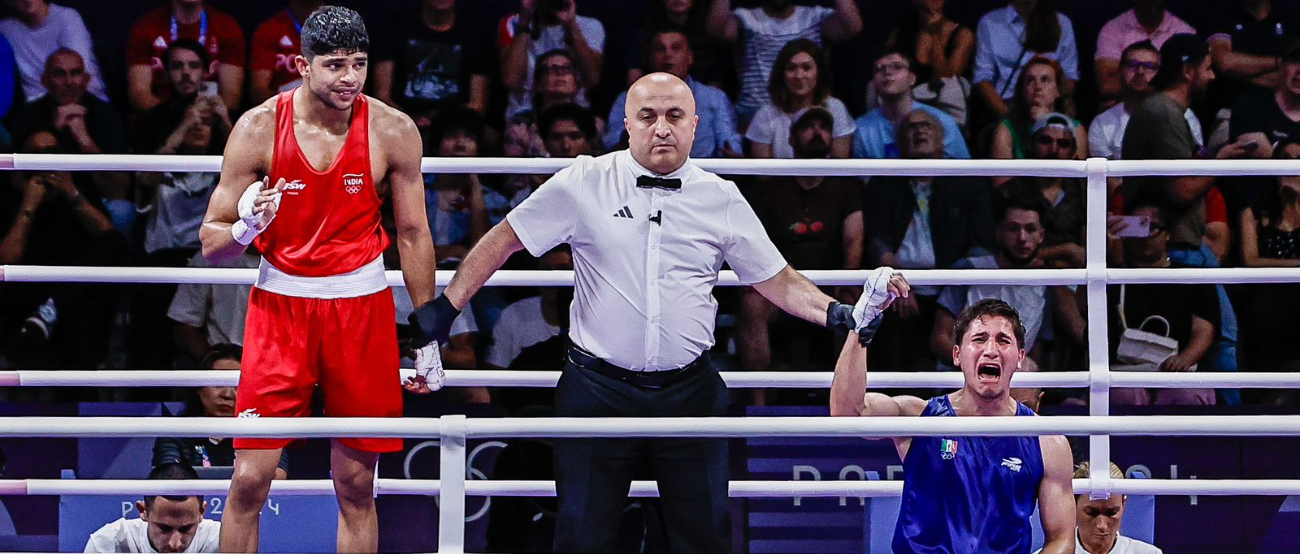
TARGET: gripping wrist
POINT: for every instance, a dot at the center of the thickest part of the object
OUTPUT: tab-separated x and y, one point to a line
432	321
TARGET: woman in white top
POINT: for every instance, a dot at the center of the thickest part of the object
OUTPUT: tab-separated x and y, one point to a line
1098	522
800	80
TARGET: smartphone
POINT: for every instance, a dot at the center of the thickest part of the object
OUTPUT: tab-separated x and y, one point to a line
208	88
1135	226
1251	146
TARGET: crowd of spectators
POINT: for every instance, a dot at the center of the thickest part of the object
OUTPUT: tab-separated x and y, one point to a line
545	80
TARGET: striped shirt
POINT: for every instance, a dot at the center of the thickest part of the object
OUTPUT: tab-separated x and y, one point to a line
763	37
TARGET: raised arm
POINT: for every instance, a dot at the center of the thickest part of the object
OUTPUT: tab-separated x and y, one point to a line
844	24
722	24
246	161
414	242
1056	495
849	396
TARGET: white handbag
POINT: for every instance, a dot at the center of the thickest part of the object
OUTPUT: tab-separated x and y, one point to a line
1139	346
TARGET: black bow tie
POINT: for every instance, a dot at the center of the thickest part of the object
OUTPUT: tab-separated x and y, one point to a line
650	182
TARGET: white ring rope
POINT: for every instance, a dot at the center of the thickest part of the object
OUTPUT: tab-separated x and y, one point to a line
855	167
733	379
618	427
537	488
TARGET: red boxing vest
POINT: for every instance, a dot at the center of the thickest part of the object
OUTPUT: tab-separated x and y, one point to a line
329	221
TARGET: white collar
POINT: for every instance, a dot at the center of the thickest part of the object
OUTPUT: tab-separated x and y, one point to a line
639	170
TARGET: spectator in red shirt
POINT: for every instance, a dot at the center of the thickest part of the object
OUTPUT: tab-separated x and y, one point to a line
275	44
190	19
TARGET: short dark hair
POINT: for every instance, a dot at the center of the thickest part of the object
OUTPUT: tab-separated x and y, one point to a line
1017	201
333	28
579	115
187	44
170	471
454	120
1140	45
776	81
896	51
992	307
221	351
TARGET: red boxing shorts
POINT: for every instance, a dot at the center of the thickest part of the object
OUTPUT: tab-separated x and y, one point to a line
347	346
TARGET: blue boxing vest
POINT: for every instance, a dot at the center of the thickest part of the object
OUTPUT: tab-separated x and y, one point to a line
968	495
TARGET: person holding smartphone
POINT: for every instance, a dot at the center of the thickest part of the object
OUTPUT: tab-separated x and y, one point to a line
539	27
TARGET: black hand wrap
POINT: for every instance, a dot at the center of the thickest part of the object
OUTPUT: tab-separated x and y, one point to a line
432	321
869	332
839	317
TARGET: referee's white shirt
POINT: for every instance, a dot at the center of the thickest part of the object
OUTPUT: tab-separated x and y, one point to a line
643	291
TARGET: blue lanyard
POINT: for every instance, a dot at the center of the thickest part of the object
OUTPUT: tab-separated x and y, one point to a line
296	25
203	28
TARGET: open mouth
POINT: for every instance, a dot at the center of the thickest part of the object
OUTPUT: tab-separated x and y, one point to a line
988	372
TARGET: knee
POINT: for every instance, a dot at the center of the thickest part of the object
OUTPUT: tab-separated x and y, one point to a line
250	483
354	490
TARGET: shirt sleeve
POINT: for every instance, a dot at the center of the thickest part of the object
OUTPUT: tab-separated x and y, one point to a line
535	221
593	32
190	304
1108	42
76	37
464	324
233	50
748	248
106	539
985	64
138	45
1067	51
954	143
842	121
261	56
1098	142
760	129
1216	210
614	124
505	346
724	124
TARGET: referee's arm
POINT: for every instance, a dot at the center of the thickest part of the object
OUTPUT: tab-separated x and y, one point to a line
483	260
795	294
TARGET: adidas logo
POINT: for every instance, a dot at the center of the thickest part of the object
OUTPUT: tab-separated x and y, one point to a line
624	213
286	42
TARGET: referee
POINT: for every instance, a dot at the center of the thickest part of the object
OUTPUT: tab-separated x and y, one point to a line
649	233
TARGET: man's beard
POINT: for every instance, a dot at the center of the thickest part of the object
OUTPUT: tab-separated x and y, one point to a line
1017	260
814	149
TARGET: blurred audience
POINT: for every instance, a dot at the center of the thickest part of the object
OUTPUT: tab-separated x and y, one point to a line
567	131
195	20
1139	63
205	315
1148	21
920	223
690	18
671	51
1007	39
557	83
540	27
892	83
800	80
457	204
816	223
433	60
941	50
1062	200
37	29
276	43
1040	91
759	35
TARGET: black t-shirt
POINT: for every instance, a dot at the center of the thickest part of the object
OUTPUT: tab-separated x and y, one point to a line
807	226
1175	303
431	69
1258	112
1266	37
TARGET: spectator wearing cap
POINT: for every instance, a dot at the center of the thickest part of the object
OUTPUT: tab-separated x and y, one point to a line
816	223
893	81
670	51
801	79
920	223
1040	91
1061	200
1138	66
1148	21
1008	39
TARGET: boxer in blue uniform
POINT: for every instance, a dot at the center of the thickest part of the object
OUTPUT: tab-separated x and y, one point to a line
966	495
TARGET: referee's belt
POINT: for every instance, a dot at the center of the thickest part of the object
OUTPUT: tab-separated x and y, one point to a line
643	379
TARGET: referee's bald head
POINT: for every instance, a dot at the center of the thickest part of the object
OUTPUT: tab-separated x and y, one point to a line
660	121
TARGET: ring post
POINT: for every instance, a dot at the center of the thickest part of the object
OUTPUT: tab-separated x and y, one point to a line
451	509
1098	338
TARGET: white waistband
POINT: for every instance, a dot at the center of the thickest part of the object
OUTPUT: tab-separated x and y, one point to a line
365	280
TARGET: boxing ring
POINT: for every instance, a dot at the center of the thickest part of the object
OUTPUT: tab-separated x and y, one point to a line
453	431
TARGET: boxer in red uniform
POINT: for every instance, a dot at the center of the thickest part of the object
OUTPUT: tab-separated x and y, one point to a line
321	313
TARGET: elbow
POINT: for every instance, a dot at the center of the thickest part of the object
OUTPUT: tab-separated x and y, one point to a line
842	407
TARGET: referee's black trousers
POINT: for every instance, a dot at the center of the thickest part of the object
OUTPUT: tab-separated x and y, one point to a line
593	475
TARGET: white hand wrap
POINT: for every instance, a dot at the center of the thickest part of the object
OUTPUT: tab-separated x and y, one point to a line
875	297
250	224
428	364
